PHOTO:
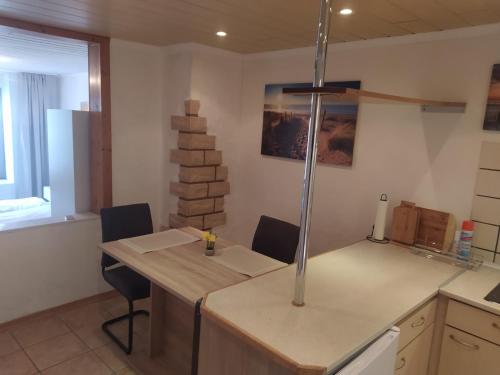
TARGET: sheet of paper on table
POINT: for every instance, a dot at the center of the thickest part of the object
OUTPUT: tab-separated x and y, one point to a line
245	261
159	241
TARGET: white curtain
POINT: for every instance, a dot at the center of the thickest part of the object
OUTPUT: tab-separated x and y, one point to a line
31	95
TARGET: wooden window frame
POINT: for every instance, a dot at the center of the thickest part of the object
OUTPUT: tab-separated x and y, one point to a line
99	106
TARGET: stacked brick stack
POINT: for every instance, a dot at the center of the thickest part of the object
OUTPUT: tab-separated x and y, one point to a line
202	179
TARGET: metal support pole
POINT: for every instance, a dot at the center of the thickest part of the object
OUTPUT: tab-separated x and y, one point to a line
312	150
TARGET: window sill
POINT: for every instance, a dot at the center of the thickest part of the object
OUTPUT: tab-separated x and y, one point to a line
11	227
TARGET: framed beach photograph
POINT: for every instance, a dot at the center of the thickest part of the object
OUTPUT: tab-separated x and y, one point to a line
492	116
286	123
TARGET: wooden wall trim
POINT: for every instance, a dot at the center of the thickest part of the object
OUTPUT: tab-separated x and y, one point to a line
100	125
99	103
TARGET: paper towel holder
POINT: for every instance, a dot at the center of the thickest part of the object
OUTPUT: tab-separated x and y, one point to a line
370	237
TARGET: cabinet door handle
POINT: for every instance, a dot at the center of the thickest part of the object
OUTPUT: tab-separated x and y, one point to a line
418	323
495	325
463	343
402	364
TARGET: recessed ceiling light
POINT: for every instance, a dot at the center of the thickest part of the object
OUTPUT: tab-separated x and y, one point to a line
221	33
346	11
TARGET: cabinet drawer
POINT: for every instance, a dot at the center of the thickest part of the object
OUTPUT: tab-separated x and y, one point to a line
477	322
416	323
464	354
414	358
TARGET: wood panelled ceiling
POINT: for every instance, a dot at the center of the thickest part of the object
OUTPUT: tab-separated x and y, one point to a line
252	25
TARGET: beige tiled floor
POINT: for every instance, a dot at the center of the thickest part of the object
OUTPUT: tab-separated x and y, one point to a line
72	342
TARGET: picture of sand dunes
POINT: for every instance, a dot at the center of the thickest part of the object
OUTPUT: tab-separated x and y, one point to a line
492	117
286	122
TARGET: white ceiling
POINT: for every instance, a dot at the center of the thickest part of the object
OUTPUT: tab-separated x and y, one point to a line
23	51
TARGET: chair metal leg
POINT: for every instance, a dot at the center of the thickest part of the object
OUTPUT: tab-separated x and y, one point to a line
130	316
196	337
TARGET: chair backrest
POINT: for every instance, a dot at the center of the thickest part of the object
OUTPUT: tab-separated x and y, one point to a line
124	222
276	239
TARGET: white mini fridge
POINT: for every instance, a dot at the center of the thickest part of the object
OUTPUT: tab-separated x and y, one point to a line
377	359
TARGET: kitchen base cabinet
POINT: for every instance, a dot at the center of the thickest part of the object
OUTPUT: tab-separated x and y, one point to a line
414	358
415	340
474	321
464	354
224	350
416	323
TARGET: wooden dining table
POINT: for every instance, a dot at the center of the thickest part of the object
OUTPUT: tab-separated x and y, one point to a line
181	277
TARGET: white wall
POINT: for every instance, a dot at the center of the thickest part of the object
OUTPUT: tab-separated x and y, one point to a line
216	82
137	126
214	77
74	90
427	158
47	266
177	68
50	265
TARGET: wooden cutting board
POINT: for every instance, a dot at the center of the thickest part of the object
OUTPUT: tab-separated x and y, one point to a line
436	229
405	223
412	225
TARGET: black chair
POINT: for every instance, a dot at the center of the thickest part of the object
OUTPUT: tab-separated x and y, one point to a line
276	239
117	223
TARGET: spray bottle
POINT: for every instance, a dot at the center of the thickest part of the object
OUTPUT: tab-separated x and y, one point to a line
464	247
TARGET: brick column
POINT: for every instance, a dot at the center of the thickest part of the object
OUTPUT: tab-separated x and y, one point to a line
202	177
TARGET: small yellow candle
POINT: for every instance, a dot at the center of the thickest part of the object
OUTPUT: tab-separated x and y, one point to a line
210	238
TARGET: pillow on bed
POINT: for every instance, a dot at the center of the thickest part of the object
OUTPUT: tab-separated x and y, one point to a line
9	205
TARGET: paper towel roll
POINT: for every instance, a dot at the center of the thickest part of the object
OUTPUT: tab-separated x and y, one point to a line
379	229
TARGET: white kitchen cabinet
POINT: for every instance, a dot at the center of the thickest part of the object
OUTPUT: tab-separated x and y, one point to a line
416	340
464	354
414	358
416	323
474	321
470	341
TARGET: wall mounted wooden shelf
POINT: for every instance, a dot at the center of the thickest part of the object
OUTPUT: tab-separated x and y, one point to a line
353	95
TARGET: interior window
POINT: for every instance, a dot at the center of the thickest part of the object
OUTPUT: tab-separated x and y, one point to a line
44	127
3	167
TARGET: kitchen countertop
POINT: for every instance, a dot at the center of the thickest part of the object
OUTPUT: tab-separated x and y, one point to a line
472	286
353	295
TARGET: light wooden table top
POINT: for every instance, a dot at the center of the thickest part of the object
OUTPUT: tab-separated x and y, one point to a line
182	270
353	295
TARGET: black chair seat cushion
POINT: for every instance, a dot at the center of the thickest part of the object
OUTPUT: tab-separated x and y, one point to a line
128	282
